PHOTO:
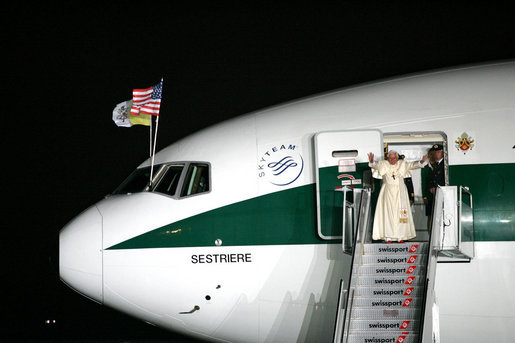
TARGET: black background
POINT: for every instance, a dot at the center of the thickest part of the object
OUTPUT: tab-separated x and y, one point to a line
66	65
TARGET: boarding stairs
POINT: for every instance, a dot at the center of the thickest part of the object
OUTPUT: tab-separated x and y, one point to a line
387	297
390	295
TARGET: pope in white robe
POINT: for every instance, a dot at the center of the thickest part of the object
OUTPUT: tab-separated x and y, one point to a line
393	219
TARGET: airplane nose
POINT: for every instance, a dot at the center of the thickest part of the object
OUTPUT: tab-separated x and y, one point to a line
80	254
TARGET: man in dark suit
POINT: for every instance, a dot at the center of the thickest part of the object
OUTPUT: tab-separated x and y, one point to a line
433	176
437	176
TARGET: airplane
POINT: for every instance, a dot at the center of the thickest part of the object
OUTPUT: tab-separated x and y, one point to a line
243	233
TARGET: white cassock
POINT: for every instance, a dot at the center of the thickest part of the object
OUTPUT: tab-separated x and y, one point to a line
393	217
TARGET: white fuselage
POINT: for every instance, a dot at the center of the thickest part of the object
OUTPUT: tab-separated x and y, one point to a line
275	292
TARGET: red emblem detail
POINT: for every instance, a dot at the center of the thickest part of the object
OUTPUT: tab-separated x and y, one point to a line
412	259
409	290
410	280
464	143
413	248
401	338
411	269
405	324
407	302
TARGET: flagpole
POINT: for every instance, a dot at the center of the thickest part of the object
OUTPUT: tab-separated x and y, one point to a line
154	152
150	137
154	148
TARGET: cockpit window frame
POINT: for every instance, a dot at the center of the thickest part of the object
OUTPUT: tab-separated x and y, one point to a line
183	178
186	166
160	176
127	180
160	171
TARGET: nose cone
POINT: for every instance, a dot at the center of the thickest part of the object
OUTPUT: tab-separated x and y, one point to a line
80	254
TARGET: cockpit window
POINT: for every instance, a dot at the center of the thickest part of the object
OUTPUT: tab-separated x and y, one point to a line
136	182
169	180
196	180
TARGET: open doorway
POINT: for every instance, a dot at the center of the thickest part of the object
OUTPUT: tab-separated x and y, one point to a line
413	146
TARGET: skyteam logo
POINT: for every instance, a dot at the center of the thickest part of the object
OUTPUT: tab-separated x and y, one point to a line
281	165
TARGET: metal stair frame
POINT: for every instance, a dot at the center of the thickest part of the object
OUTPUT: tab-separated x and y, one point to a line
348	296
428	322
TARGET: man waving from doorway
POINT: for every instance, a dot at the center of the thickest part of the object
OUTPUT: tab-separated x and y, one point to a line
393	219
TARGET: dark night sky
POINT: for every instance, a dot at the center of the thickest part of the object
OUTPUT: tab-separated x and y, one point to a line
66	67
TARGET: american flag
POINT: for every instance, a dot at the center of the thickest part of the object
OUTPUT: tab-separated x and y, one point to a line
148	100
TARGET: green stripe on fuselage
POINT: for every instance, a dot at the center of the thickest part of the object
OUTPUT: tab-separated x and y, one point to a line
493	190
286	217
289	216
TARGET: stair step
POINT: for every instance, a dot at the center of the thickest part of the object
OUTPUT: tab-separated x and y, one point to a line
385	314
389	281
388	292
404	302
395	248
393	337
384	325
397	259
394	270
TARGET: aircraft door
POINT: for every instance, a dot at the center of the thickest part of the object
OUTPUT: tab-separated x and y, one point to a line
341	159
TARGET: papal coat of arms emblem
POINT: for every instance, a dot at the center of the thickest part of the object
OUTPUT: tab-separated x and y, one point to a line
464	143
403	216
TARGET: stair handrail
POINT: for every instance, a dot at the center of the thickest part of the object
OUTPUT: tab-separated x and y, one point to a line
363	219
429	332
342	298
468	231
345	228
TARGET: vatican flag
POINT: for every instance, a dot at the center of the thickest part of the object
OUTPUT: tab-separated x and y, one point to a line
122	116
